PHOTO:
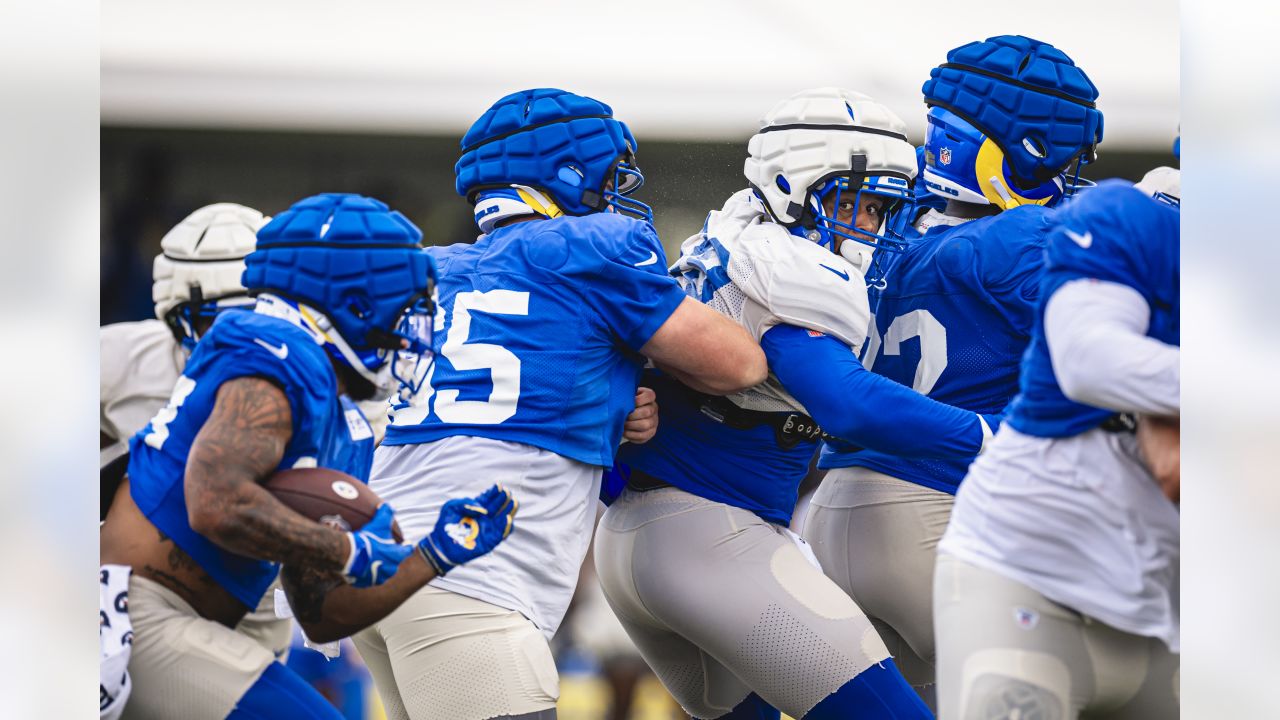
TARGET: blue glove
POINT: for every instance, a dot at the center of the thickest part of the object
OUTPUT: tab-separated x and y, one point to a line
375	556
468	528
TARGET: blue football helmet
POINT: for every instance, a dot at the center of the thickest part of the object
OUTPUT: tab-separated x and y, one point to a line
356	275
567	146
1008	117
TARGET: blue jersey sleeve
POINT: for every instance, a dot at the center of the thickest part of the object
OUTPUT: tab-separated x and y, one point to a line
618	266
1119	236
858	406
257	346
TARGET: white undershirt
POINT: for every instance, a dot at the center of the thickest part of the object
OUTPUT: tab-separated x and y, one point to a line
1101	356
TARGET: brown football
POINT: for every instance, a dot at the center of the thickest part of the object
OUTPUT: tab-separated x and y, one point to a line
327	496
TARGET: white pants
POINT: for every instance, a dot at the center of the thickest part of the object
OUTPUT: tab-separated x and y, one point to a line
1006	651
722	604
877	537
445	655
184	666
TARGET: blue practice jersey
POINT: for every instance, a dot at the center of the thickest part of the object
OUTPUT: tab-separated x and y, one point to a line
328	431
742	467
1112	233
952	322
537	335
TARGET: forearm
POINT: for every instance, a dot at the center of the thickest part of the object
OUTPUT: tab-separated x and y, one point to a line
706	350
329	609
241	445
253	523
1096	332
863	408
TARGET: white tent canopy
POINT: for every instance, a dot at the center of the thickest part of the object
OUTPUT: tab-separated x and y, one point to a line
677	70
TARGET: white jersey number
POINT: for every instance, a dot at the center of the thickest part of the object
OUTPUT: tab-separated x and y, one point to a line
160	423
933	346
502	364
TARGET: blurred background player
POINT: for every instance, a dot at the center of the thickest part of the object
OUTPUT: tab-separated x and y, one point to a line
695	557
340	280
543	325
196	275
1056	592
953	314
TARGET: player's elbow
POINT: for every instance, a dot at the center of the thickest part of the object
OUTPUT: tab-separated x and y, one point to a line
212	522
322	632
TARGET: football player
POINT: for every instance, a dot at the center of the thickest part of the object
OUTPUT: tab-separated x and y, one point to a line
544	323
1056	592
340	280
953	314
196	276
695	556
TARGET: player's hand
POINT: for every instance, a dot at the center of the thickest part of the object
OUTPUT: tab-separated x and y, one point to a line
642	423
375	555
1159	441
468	528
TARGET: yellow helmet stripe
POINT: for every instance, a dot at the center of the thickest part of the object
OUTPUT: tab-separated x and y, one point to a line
989	167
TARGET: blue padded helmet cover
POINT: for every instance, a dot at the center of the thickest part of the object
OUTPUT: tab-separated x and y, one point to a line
563	144
1027	96
348	256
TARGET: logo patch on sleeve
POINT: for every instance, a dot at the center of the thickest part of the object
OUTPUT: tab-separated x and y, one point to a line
815	333
357	426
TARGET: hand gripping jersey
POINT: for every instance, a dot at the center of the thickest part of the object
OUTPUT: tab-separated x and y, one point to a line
952	322
328	431
762	276
537	336
1117	234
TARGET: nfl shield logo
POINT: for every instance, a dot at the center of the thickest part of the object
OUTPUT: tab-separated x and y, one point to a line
945	156
1025	618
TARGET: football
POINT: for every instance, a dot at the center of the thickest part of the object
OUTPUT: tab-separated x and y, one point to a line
327	496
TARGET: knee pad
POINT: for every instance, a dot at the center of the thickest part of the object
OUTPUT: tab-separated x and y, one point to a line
993	696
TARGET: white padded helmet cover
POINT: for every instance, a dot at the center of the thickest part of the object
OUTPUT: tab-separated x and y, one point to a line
1162	180
846	123
207	249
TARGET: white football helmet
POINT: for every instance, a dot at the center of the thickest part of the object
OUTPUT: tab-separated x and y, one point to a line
197	274
1163	184
831	140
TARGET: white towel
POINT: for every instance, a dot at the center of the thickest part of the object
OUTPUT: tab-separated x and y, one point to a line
115	639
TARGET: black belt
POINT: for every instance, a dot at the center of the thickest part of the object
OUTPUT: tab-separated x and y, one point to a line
641	481
1120	423
789	428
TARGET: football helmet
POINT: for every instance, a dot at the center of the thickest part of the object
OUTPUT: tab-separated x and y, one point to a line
1007	117
829	141
197	273
358	278
566	146
1164	184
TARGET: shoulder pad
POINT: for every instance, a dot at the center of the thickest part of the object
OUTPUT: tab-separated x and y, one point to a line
801	283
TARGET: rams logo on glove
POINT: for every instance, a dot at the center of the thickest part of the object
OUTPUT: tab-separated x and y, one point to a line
464	532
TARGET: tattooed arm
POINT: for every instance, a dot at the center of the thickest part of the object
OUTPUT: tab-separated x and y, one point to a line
240	445
329	609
